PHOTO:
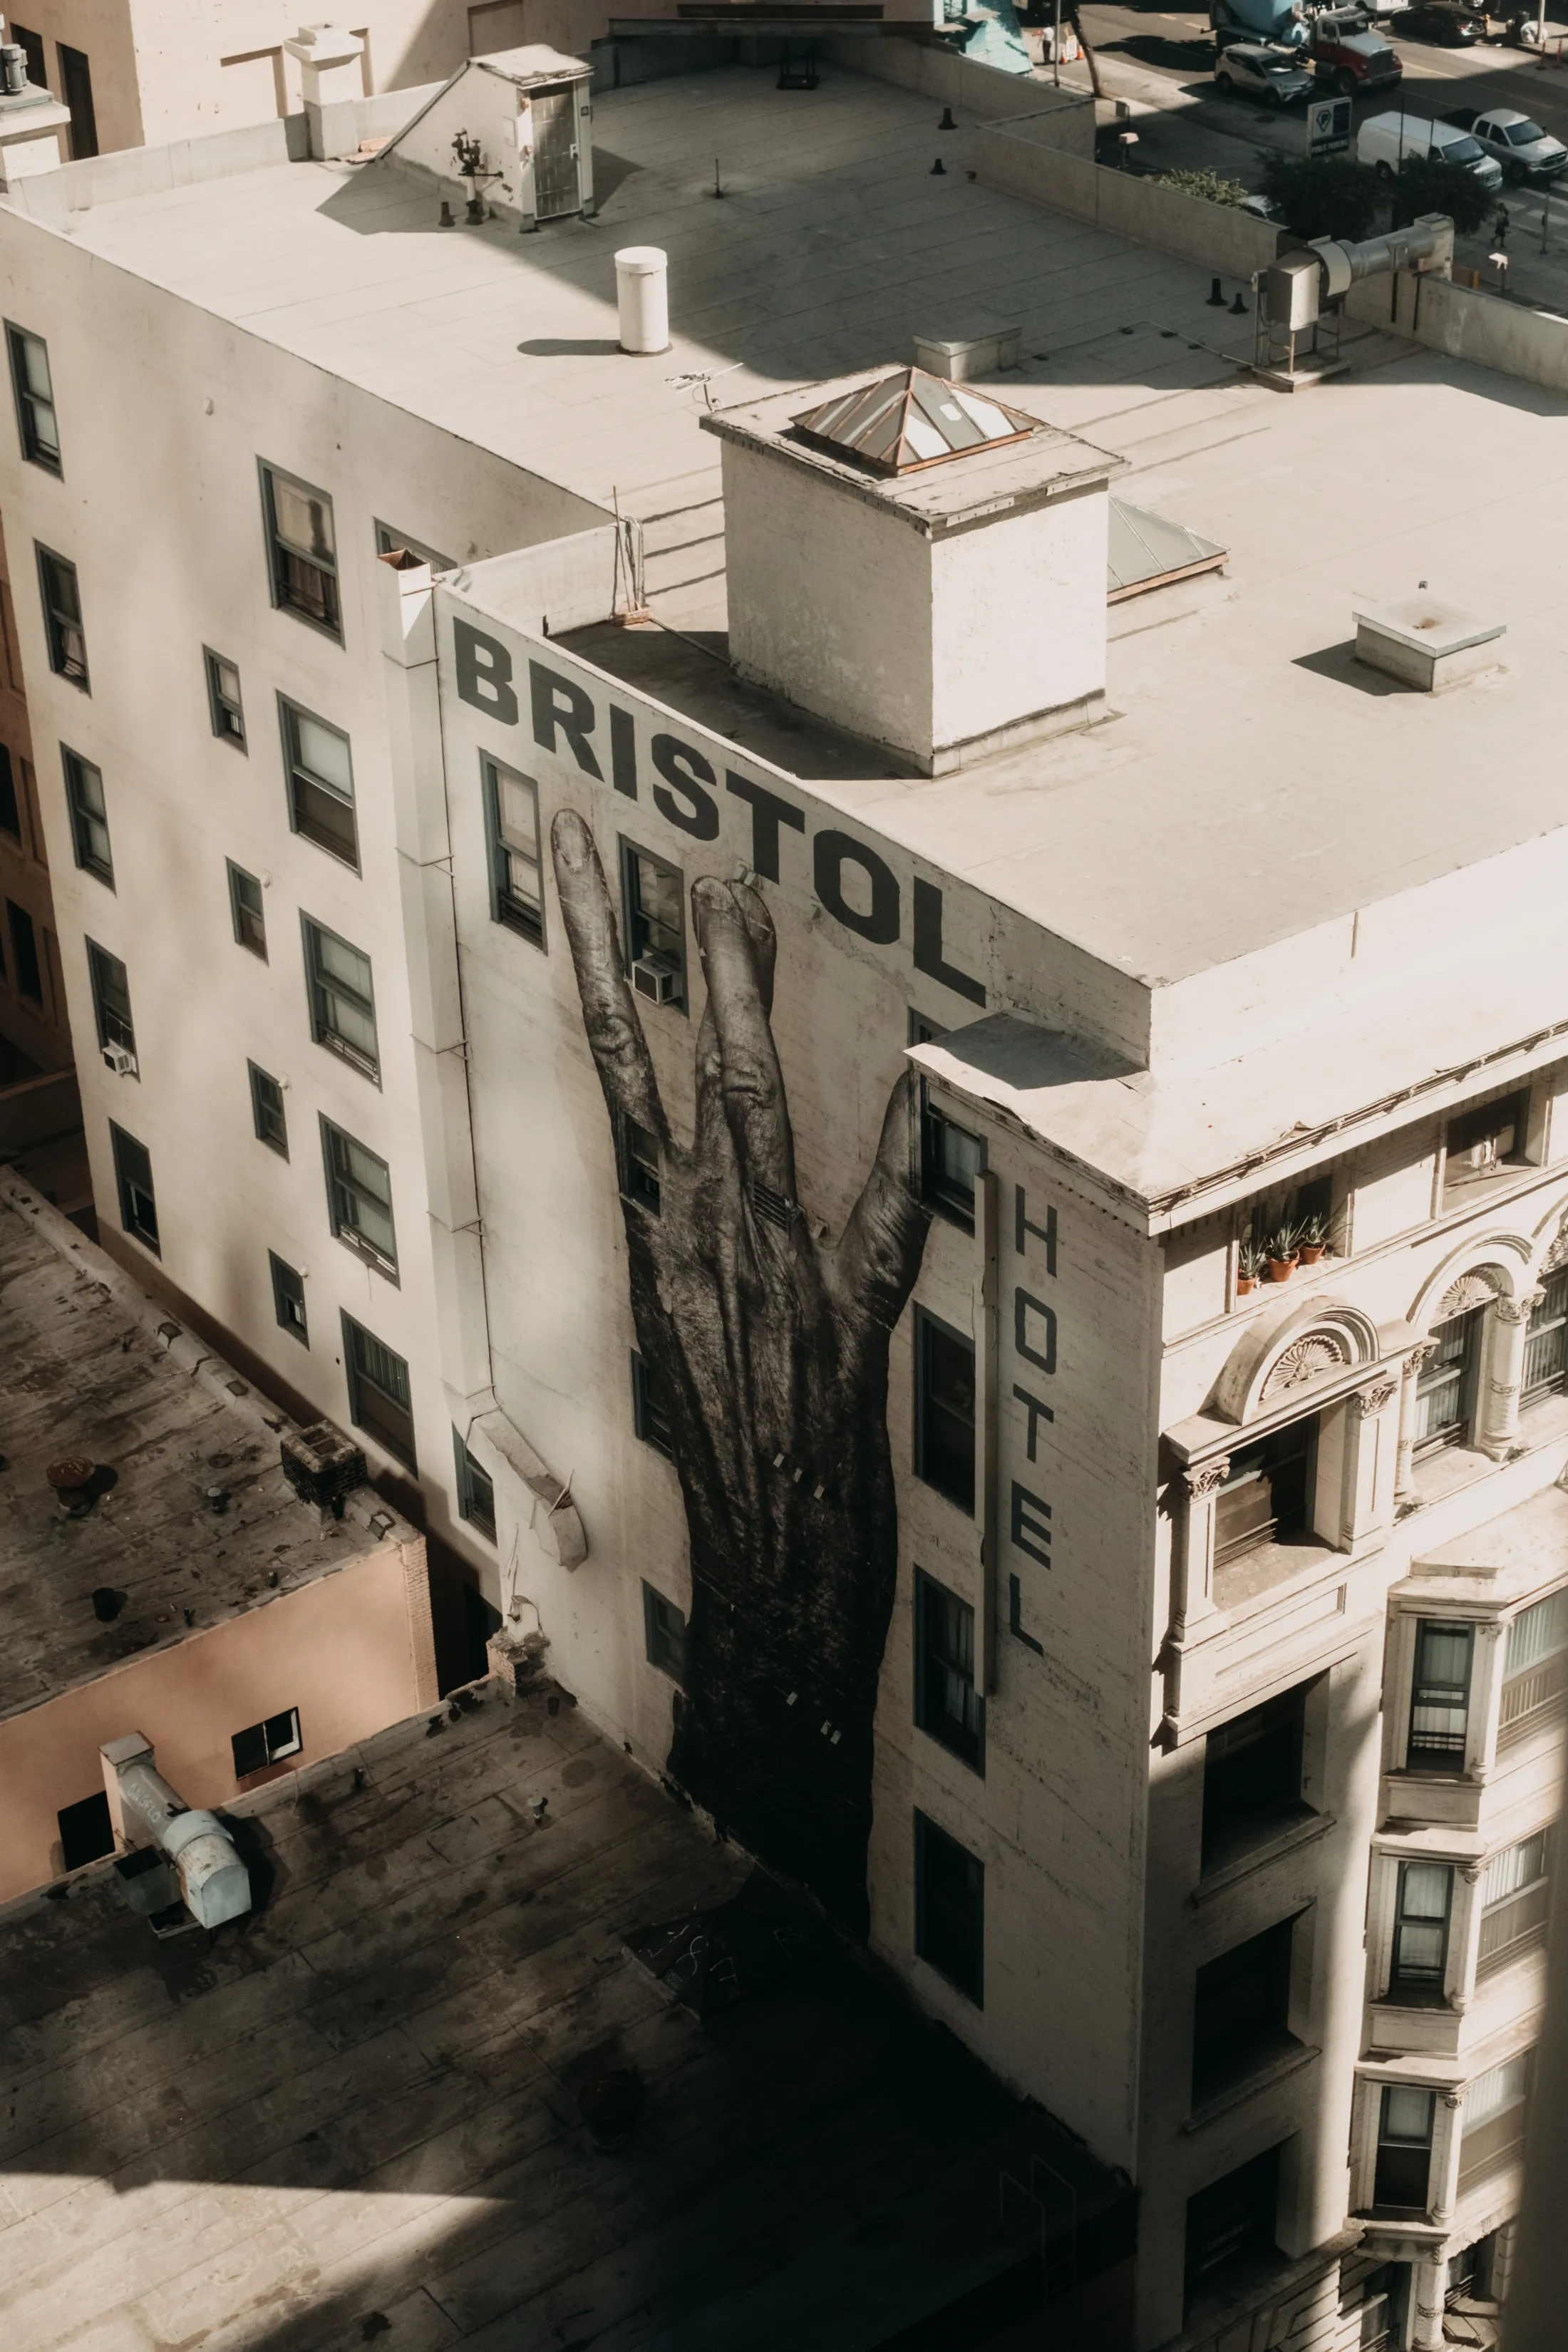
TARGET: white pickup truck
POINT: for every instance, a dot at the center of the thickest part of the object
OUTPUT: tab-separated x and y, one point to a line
1519	145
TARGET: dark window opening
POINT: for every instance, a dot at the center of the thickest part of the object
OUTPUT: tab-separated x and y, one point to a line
1241	2009
664	1633
76	92
267	1110
642	1165
654	896
944	1409
949	1909
35	394
25	962
87	1832
262	1744
246	910
224	705
1441	1700
476	1490
1384	2295
1421	1928
321	783
303	549
1266	1497
516	868
947	1704
1469	2277
650	1408
1446	1384
343	998
32	48
1252	1776
289	1298
1485	1143
88	816
379	1399
1233	2221
951	1165
10	806
1403	2148
359	1199
63	634
111	1000
133	1182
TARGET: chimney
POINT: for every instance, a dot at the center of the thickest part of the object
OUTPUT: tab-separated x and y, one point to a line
917	562
331	80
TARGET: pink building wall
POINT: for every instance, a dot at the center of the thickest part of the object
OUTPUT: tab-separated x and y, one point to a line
353	1652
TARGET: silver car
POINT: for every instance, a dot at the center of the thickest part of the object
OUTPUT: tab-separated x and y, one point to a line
1272	75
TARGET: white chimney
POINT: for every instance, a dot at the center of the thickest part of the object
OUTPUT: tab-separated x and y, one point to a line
917	562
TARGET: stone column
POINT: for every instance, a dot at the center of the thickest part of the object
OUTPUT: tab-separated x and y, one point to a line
1368	1503
1464	1936
1486	1701
1497	1432
1192	1574
1427	2278
1404	1476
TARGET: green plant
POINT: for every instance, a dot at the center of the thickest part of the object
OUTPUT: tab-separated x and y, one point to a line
1282	1243
1314	1233
1427	184
1324	196
1251	1260
1213	187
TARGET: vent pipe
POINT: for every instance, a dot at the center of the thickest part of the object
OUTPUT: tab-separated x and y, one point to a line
215	1884
642	298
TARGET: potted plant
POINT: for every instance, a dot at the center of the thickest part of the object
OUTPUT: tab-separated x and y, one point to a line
1313	1241
1281	1251
1249	1269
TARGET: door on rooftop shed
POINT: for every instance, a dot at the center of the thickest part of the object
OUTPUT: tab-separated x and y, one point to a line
554	153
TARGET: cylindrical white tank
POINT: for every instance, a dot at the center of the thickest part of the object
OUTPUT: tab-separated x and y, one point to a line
642	296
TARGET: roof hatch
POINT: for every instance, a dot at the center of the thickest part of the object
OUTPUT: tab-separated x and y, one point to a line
910	419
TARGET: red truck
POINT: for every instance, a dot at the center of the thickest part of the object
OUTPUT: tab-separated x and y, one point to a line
1345	53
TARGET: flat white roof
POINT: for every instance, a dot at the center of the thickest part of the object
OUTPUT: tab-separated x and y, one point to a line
1253	782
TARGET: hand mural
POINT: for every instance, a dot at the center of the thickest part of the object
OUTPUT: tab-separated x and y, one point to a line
771	1352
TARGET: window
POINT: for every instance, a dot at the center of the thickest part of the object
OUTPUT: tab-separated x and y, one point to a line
89	816
1385	2293
664	1633
245	905
25	952
1497	2109
1515	1899
949	1909
1403	2148
397	543
35	394
10	806
1233	2221
517	881
379	1399
224	703
289	1298
32	46
655	900
1441	1700
342	1003
947	1704
321	783
1252	1776
1421	1928
1446	1385
944	1409
111	1000
1486	1142
1241	2005
642	1165
87	1832
62	617
266	1743
1267	1495
476	1490
1546	1343
650	1408
359	1198
951	1162
303	549
1534	1670
76	92
133	1182
1469	2276
267	1113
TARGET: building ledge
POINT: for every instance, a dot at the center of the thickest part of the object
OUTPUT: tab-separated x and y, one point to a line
1279	2070
1291	1840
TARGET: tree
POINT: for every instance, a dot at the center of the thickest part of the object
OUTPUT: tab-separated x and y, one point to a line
1324	196
1427	184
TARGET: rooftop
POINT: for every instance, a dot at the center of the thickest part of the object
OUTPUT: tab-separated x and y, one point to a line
361	2114
1289	788
90	1367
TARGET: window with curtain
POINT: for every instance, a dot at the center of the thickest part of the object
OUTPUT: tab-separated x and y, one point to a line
1441	1700
1421	1926
1445	1387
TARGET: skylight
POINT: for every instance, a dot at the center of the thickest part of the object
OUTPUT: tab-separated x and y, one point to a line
910	419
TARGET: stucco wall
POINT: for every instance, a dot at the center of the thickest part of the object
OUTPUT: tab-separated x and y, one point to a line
352	1651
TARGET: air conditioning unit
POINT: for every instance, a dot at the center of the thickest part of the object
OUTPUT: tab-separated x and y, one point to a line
121	1060
656	977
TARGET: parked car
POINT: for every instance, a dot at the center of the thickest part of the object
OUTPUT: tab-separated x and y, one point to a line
1387	141
1277	24
1518	145
1272	75
1345	53
1446	24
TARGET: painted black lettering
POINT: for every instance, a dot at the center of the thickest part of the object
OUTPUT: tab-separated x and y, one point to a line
928	946
682	797
484	674
560	705
1045	1233
1015	1618
1029	1520
830	853
623	752
1037	1412
1023	1307
768	813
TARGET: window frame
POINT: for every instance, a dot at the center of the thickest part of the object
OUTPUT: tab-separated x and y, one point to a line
957	1734
1464	1371
269	1120
1423	1977
343	1228
635	922
1527	1901
288	1293
475	1489
1282	1722
75	769
109	1019
28	969
930	1839
241	914
281	552
220	706
391	542
278	1737
10	797
639	1174
664	1645
1228	2055
57	621
515	914
1532	1693
297	771
947	1196
1442	1752
355	1374
319	987
1407	2144
126	1186
927	1328
24	398
1279	1528
650	1417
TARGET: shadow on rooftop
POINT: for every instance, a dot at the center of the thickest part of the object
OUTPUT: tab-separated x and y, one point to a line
1338	662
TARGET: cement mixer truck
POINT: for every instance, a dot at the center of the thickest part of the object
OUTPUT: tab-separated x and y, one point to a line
1280	22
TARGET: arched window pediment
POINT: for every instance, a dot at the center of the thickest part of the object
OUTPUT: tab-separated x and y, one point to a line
1300	1346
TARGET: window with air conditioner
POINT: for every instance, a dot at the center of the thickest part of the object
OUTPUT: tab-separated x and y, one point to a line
112	1010
653	898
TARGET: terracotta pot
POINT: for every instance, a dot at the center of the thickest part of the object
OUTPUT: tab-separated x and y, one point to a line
1310	1252
1244	1282
1280	1269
